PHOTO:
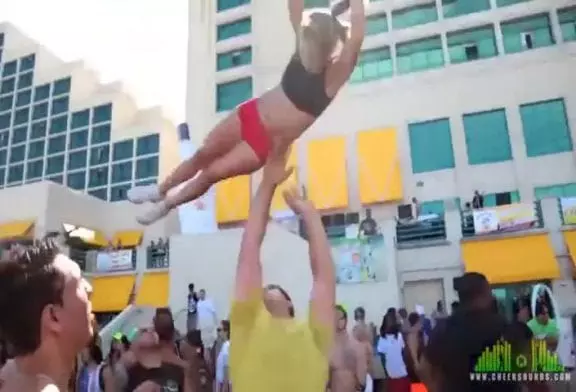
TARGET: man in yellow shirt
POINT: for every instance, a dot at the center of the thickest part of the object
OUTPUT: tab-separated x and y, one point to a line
269	349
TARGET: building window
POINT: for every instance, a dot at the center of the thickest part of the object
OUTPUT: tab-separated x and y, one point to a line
470	45
41	92
101	134
62	86
99	155
376	24
78	139
431	146
414	16
316	3
487	137
22	116
25	80
420	55
19	134
98	177
122	172
4	138
545	127
567	20
146	168
56	144
76	180
24	98
223	5
231	94
34	169
15	173
80	119
373	64
40	111
2	176
38	130
27	63
56	179
118	193
528	33
8	86
3	157
5	120
6	103
17	154
559	191
233	58
10	68
453	8
123	150
36	149
233	29
102	113
504	3
58	124
60	105
100	193
149	144
501	199
77	160
55	164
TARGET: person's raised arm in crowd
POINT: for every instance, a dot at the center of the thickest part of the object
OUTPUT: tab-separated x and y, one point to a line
323	296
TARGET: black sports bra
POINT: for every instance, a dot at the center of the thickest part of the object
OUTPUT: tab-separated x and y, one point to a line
306	90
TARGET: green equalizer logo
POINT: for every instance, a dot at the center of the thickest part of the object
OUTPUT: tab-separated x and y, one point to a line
501	359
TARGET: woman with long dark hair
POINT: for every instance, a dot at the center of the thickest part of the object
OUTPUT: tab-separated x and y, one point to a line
390	349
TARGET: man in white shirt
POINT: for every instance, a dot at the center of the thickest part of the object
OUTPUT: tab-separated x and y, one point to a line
207	319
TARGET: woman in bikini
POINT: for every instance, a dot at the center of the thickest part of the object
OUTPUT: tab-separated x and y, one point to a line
242	142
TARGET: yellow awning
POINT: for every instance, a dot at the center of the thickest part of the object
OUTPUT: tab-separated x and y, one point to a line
509	260
16	229
278	203
570	239
127	238
233	199
111	293
154	290
99	239
379	174
327	184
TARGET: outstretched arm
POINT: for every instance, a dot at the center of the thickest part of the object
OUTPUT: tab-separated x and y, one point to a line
323	296
249	268
343	67
295	9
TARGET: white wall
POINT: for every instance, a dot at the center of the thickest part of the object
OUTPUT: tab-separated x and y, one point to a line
209	261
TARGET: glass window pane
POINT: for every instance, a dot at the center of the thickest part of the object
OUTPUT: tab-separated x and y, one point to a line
102	113
100	193
149	144
233	58
431	146
36	149
99	155
15	173
123	150
27	63
41	92
233	29
77	159
56	144
40	110
62	86
231	94
119	192
55	164
22	116
60	105
38	130
147	167
17	153
76	180
98	177
101	133
80	119
78	139
414	16
34	169
58	124
23	98
122	172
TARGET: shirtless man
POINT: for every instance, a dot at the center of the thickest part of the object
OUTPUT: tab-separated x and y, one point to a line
364	334
348	364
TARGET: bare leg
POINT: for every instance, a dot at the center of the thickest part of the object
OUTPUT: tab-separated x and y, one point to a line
217	144
240	160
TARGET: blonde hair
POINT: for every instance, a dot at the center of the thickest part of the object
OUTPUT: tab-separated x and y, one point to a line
320	34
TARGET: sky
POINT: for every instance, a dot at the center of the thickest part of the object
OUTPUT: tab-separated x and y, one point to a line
141	43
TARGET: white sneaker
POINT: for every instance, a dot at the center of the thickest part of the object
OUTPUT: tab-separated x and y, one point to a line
144	194
154	213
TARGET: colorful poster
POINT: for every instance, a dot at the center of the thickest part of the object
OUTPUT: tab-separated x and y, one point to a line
510	217
356	259
568	205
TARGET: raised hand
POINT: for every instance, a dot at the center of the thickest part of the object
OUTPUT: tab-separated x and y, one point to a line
296	201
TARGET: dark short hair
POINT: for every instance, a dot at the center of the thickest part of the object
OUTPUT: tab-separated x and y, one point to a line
359	312
413	318
470	286
226	326
28	283
284	294
191	286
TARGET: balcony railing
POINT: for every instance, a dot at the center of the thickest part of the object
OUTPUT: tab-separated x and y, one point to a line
428	228
500	219
158	255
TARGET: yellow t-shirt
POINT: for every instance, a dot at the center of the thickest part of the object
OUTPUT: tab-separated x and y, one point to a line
270	354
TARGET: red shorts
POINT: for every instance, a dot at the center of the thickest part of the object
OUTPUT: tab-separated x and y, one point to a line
253	131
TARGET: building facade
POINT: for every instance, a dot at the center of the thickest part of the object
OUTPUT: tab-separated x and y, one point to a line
70	148
448	97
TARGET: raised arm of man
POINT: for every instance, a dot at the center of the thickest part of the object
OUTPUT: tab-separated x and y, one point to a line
323	296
